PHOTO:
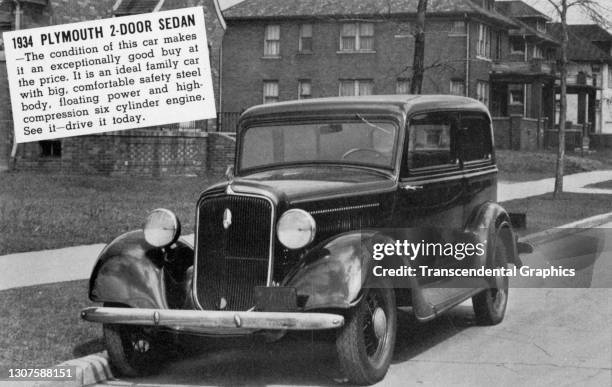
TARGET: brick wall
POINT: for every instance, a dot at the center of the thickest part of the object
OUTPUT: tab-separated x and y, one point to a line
220	152
244	68
138	152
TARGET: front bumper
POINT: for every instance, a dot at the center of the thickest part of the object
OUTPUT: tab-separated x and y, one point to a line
209	319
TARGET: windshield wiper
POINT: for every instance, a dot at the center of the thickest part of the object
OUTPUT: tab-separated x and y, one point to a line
387	131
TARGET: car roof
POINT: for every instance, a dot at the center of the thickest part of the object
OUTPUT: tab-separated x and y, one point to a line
397	104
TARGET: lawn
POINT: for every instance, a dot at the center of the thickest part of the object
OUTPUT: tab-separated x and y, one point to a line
544	212
44	211
41	326
525	166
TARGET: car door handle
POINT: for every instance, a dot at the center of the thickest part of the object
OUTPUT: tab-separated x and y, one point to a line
411	188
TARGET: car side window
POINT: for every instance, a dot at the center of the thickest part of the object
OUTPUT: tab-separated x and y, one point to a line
474	137
431	140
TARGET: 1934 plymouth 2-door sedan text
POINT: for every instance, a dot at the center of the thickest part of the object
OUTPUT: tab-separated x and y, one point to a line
291	241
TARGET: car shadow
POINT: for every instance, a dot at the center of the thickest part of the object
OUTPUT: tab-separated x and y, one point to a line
300	358
414	337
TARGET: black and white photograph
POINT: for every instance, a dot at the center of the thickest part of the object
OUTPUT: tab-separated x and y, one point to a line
305	193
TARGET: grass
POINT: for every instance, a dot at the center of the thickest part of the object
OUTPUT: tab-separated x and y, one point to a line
525	166
601	185
544	212
41	325
44	211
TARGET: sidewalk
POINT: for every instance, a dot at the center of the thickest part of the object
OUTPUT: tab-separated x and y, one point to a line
573	183
76	263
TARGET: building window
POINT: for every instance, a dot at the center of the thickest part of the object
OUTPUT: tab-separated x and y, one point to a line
356	87
541	26
498	46
272	41
517	95
458	28
457	87
357	37
482	92
537	52
517	47
483	47
304	89
50	148
270	91
402	86
305	43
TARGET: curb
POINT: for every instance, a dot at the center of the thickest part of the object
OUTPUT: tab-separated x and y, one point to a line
89	370
95	368
567	229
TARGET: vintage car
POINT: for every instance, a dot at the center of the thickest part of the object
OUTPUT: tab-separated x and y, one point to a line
286	242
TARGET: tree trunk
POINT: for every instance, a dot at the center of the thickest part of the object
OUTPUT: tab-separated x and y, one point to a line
563	104
419	49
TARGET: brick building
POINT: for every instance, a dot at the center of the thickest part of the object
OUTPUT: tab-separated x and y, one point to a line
172	149
496	52
288	49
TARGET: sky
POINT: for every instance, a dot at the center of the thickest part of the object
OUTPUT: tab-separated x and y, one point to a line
574	17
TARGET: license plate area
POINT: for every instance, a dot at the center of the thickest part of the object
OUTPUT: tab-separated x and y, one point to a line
275	299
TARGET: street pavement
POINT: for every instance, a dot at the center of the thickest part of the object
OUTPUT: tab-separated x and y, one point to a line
17	269
555	335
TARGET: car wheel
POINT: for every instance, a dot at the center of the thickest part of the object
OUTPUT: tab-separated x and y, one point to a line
490	304
365	343
133	350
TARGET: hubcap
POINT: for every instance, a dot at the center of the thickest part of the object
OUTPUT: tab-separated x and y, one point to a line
141	345
379	321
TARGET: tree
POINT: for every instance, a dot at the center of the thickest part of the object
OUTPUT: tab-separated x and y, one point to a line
596	12
418	67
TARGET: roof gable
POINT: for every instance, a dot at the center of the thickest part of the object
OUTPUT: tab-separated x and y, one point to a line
579	49
519	9
592	32
133	7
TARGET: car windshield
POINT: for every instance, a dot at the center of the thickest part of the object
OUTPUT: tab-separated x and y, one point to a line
356	142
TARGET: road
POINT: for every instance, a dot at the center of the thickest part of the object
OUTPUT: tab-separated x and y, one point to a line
551	336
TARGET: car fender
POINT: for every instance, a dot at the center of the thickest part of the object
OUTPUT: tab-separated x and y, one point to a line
487	221
333	273
131	272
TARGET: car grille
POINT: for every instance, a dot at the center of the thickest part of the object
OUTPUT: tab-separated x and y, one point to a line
231	262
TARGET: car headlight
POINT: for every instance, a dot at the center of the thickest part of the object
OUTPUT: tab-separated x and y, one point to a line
296	228
162	228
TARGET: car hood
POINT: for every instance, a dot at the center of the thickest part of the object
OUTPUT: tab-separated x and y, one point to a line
306	184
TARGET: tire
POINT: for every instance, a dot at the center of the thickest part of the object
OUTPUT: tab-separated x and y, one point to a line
133	350
490	304
364	351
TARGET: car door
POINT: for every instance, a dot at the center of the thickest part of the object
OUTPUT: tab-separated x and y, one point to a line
479	170
430	193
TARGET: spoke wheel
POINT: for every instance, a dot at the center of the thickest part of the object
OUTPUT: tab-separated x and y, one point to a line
490	304
133	350
365	344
